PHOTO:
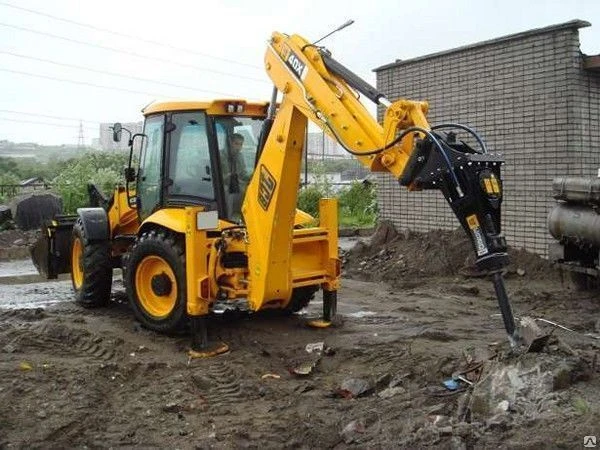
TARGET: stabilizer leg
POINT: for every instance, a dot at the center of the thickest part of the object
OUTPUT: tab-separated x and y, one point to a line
329	310
329	305
201	347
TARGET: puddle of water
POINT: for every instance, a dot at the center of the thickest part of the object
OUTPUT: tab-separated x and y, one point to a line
360	314
17	268
35	295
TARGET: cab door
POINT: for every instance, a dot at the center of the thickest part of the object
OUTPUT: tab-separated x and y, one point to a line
149	180
190	178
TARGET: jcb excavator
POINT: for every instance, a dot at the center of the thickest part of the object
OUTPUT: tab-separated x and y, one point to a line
201	223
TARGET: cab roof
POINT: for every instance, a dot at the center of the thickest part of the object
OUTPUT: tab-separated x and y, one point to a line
231	106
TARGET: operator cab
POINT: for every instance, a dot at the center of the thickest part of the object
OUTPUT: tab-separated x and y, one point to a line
195	153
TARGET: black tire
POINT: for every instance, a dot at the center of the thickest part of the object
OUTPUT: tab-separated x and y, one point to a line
301	297
156	307
92	279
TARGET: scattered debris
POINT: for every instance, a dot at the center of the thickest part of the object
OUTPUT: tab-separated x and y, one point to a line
391	392
451	384
315	347
270	375
24	365
172	407
503	406
534	339
349	432
354	387
528	383
304	369
9	348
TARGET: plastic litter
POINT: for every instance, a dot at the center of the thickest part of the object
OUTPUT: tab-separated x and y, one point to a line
270	375
315	347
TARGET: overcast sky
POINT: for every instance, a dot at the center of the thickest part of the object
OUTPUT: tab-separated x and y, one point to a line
226	42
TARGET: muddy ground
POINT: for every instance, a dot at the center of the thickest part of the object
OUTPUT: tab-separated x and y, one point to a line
71	377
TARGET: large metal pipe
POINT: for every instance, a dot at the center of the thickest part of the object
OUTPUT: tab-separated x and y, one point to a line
576	223
577	189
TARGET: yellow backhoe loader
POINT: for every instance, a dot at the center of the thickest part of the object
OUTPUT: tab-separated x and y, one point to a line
207	215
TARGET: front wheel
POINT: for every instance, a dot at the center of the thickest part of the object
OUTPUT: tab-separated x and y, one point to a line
91	269
155	282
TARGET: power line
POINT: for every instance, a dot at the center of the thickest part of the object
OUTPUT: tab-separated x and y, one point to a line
130	53
112	88
37	122
104	72
10	111
83	83
130	36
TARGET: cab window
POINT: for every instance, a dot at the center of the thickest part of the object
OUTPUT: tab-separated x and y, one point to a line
190	170
237	140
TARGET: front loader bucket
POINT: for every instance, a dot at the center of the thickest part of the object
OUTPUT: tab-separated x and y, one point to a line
51	254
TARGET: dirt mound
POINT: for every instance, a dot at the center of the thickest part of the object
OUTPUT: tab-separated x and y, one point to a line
393	256
17	238
29	211
14	244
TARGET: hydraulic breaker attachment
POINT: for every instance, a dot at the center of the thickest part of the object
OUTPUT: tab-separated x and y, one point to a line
472	186
51	253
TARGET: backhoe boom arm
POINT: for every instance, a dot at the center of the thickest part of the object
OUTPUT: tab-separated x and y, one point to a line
318	88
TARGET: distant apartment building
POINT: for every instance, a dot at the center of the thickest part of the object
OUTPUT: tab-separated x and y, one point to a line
106	135
320	145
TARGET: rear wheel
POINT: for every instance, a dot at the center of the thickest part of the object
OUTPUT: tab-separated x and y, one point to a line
301	297
155	282
91	269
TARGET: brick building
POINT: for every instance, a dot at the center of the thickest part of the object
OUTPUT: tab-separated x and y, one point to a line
533	96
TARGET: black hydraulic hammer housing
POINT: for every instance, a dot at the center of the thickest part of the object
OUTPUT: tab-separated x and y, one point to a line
472	186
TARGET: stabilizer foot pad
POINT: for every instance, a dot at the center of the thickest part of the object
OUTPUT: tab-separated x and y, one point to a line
319	323
210	351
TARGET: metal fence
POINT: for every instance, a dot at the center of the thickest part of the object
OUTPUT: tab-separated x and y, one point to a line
326	160
12	190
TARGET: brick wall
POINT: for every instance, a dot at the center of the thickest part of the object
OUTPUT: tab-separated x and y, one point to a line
529	97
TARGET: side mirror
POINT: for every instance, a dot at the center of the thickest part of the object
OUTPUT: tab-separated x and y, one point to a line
117	128
129	173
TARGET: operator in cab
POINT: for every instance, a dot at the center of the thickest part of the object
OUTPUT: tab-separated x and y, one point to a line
235	176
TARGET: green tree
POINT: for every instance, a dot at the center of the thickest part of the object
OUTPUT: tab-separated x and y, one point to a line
358	204
7	178
308	199
101	169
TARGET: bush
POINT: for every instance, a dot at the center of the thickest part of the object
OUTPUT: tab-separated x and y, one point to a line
104	170
7	178
308	200
358	204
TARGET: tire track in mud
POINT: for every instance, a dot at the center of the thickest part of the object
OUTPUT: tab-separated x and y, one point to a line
60	340
225	388
28	315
